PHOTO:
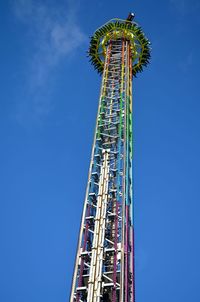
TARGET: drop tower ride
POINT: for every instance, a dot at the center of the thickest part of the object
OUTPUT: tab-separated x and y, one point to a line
104	266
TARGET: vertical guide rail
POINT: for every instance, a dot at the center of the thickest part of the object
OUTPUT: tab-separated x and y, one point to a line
126	175
128	270
95	277
82	259
115	253
123	185
116	224
132	247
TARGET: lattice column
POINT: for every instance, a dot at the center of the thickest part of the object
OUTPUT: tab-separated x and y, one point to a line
104	267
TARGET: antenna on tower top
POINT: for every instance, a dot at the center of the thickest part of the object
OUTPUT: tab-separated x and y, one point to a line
130	17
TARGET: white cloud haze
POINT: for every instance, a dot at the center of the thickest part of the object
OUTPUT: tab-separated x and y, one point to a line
55	35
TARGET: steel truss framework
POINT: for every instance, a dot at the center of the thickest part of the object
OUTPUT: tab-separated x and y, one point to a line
104	267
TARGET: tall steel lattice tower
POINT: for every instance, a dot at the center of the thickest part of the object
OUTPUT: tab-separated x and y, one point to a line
104	267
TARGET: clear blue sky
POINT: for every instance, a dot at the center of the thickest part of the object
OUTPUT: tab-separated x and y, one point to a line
48	102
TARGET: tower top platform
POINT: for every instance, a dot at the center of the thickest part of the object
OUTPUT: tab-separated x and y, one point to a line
117	29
